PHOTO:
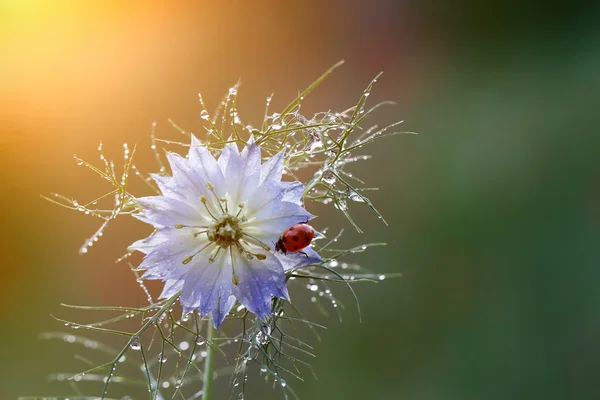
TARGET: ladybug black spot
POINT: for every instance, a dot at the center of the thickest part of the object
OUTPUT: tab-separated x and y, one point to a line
296	247
295	238
307	239
291	229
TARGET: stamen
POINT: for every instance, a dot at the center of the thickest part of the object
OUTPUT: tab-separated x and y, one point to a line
196	234
224	201
241	206
203	200
261	244
189	258
211	189
213	257
249	254
234	278
181	226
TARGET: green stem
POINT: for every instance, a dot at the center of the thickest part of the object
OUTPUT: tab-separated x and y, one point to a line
209	363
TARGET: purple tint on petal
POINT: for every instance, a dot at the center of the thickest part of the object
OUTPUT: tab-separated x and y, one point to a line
291	261
230	148
272	169
205	165
258	281
293	192
274	222
186	177
205	283
147	244
222	309
166	212
171	287
268	195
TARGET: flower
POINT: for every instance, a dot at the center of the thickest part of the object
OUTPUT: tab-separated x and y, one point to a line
215	225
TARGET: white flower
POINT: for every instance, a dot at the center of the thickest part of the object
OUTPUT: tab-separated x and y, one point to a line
216	225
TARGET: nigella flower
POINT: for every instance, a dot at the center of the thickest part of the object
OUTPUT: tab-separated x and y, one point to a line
216	224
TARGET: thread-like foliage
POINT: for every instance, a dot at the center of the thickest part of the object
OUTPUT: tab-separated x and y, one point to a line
163	353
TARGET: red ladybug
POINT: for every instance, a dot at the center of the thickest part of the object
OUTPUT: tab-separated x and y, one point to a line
295	238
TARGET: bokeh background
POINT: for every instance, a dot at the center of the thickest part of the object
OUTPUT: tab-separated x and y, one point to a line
494	208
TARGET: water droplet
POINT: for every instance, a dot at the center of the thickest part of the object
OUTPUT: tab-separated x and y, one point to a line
122	359
184	345
328	177
263	368
381	277
162	358
204	115
341	204
203	353
200	341
135	344
262	338
356	197
166	385
313	288
282	383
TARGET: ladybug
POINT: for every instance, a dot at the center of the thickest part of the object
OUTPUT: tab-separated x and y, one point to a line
295	238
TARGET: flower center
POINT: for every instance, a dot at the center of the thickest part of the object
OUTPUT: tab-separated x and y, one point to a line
225	231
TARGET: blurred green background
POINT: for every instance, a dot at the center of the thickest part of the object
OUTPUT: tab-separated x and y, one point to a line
494	208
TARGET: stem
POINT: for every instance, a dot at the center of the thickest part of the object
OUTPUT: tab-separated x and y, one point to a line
209	364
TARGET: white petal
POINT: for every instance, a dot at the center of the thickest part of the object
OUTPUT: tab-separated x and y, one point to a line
269	194
269	224
258	281
293	191
205	165
167	212
147	244
171	287
186	177
291	261
165	261
230	148
206	282
242	175
272	169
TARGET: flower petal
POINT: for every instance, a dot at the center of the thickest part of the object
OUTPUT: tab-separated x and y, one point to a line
258	281
242	175
293	192
272	169
167	212
269	224
165	260
205	165
172	286
206	283
292	261
230	148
